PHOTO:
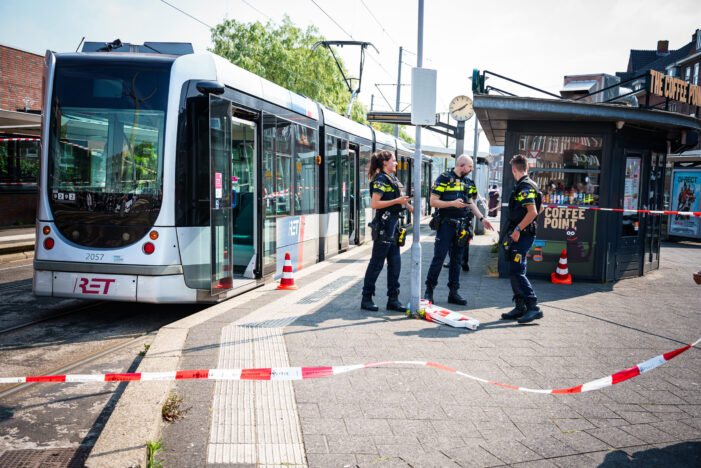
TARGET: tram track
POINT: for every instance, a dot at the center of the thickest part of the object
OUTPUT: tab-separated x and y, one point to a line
62	313
81	361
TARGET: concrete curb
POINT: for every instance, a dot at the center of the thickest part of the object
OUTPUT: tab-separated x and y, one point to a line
7	256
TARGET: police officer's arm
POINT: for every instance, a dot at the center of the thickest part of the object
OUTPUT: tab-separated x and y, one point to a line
436	202
377	204
478	214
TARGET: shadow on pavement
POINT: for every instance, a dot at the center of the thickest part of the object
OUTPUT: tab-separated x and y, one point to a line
682	455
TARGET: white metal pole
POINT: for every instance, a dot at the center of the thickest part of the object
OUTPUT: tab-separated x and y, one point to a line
416	244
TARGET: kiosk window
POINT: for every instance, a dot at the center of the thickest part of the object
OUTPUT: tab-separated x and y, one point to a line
566	168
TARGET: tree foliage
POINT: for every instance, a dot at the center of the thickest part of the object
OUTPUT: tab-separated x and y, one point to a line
283	54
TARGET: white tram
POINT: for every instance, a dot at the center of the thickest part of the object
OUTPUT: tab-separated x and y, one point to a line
179	177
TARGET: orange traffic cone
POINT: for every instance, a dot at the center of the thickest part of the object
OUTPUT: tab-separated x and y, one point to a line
287	281
561	275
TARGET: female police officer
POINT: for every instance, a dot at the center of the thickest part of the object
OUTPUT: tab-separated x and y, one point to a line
388	202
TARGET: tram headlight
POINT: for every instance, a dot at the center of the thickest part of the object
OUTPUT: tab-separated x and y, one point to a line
153	235
149	248
46	230
48	243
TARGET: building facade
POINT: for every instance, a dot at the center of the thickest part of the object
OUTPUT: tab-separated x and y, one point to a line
20	124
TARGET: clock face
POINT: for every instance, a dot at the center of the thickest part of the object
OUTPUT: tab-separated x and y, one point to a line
461	108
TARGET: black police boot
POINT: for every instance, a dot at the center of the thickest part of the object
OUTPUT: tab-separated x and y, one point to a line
455	298
518	311
428	294
394	304
532	313
367	303
446	265
465	266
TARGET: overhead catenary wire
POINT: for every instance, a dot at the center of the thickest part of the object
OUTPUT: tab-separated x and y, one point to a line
256	9
349	35
187	14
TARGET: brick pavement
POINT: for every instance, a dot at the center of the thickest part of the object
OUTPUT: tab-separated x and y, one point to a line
427	417
417	416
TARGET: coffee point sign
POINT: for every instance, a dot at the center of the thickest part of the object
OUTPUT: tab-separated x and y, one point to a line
674	88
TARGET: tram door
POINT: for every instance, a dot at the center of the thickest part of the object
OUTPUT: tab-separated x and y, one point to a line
243	194
221	279
352	193
344	168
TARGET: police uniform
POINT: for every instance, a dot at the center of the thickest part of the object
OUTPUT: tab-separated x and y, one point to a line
525	193
448	187
471	193
385	244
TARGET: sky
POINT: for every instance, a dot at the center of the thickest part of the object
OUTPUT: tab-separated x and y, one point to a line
537	41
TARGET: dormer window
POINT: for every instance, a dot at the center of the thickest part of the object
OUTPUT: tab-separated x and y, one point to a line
698	39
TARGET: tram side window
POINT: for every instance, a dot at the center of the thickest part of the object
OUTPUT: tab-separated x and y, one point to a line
305	170
19	164
283	162
269	166
332	173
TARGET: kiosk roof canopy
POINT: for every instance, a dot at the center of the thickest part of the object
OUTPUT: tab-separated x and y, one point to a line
494	112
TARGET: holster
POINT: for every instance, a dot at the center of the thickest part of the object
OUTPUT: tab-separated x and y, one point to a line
464	232
381	226
435	222
401	236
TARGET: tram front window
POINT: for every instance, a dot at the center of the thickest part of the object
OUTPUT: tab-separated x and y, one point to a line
106	152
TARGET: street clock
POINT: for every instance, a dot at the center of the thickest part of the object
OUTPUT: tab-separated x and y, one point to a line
461	108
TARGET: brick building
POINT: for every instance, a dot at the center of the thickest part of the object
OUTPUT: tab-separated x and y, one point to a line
20	124
682	63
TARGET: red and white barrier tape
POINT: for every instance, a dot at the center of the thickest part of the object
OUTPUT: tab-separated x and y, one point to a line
303	373
621	210
20	139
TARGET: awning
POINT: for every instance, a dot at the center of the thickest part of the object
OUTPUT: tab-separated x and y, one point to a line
20	123
494	112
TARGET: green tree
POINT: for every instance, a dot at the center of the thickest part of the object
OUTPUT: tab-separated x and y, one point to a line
283	54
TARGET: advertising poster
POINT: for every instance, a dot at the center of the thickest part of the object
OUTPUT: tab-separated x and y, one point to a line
686	196
632	184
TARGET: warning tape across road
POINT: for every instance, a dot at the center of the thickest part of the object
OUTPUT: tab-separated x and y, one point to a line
620	210
303	373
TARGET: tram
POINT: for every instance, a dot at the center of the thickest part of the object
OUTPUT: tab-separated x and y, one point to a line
179	177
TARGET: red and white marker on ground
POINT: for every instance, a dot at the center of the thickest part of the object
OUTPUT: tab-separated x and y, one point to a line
561	274
287	282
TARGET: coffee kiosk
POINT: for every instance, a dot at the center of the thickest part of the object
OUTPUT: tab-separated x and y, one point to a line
588	155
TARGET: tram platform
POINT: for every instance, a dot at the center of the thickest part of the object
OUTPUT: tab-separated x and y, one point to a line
406	415
16	243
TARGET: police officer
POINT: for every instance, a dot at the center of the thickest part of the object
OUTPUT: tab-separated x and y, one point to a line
449	195
470	194
388	202
525	204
